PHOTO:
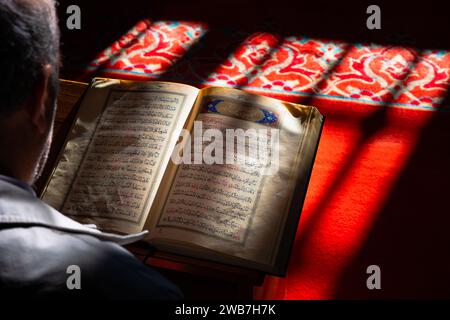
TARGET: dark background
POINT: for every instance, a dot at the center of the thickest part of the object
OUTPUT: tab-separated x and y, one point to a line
423	25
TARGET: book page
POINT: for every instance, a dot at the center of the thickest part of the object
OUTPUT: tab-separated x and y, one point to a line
237	207
116	155
225	196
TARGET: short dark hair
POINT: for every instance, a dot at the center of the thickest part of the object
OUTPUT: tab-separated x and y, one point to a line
29	39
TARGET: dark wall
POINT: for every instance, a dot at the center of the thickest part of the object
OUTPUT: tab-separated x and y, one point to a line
424	25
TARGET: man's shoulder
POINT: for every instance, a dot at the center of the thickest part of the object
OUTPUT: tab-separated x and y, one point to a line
61	246
46	258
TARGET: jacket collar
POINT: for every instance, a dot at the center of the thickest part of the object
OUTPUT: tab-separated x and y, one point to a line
18	183
18	208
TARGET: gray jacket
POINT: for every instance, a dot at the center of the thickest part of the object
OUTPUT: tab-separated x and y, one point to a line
39	247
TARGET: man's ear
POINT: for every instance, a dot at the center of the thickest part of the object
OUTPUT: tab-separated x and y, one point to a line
36	104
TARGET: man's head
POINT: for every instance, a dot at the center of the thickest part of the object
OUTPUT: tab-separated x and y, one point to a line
29	63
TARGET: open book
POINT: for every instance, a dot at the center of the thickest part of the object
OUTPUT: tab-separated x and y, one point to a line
216	174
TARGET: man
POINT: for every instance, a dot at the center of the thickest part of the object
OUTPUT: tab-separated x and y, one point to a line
42	252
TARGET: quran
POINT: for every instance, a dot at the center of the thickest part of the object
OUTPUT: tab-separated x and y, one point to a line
217	174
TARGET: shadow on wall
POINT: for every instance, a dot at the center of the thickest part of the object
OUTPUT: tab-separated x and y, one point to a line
102	23
410	240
